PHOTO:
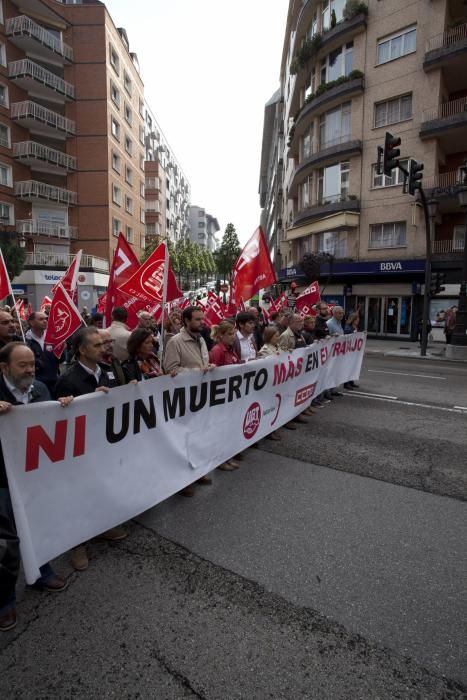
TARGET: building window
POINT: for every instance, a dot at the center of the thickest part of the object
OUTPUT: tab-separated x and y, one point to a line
116	227
5	136
116	195
141	215
458	237
393	111
313	29
396	45
6	213
141	134
3	96
141	162
128	145
128	204
128	175
141	108
337	64
127	83
115	94
390	235
115	127
305	192
334	126
6	177
333	183
114	60
330	6
201	224
128	114
333	242
129	234
2	54
1	12
116	162
307	143
142	188
397	176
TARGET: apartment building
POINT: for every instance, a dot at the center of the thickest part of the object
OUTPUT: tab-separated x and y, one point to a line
349	73
71	141
203	228
271	193
168	190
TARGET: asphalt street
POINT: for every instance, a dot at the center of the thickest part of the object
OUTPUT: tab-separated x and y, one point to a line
330	565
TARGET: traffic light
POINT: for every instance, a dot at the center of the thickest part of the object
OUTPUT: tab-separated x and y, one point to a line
391	153
415	176
436	283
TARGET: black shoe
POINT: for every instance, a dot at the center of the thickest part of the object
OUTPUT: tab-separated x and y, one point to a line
337	393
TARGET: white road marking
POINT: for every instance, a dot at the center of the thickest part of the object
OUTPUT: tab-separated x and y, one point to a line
375	397
365	393
404	374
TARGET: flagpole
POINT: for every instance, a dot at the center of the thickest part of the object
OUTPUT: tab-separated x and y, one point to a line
164	296
12	295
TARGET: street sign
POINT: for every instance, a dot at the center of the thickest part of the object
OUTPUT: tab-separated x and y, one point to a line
224	288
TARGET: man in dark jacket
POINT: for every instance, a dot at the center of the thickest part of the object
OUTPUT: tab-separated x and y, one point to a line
86	376
7	329
17	387
47	365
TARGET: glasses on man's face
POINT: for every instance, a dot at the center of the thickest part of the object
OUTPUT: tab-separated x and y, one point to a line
7	323
97	345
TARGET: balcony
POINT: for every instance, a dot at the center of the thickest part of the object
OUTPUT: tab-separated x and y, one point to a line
328	207
38	227
32	190
31	37
447	122
43	121
63	260
449	247
35	79
43	158
341	147
448	48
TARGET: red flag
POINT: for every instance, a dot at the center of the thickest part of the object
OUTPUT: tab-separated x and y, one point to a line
253	270
46	301
20	310
29	310
231	310
102	303
64	320
282	302
124	265
69	280
5	286
185	303
147	284
241	305
306	299
215	310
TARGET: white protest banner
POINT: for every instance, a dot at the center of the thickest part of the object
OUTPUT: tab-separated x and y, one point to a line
75	472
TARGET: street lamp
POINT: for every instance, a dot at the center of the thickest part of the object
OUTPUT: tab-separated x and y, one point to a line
459	334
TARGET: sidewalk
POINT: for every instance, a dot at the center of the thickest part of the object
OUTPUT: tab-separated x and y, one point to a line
406	348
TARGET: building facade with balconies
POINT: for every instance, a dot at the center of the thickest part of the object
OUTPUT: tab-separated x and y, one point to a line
168	191
270	180
349	73
203	228
71	139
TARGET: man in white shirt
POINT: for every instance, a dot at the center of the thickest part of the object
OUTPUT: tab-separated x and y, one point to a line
244	344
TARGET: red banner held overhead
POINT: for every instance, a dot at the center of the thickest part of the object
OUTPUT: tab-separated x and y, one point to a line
253	270
147	284
64	320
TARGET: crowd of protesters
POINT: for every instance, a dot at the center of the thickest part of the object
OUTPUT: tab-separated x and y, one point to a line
99	359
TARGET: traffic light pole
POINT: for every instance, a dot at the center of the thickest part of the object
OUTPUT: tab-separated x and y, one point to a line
426	295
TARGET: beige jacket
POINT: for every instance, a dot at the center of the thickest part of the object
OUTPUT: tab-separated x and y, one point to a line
120	334
267	350
183	353
287	340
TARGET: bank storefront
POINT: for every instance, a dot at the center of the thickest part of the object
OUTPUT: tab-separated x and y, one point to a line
387	293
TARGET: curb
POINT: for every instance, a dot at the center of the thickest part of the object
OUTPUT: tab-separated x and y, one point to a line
405	355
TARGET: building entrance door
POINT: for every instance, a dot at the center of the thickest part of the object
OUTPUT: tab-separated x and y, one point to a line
388	315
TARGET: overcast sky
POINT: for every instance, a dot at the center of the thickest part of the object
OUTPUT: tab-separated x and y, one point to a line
209	67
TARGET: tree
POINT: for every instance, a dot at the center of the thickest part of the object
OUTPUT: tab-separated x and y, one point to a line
14	257
183	259
226	256
150	247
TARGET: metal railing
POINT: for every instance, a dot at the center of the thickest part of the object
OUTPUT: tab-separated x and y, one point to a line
450	179
339	250
333	199
31	149
29	109
451	246
40	227
26	67
25	25
446	109
152	205
40	190
64	260
447	38
328	143
152	183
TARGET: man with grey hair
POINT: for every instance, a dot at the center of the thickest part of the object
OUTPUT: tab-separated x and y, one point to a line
334	324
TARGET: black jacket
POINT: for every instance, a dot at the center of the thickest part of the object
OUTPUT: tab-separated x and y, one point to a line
321	328
47	365
115	372
39	393
77	382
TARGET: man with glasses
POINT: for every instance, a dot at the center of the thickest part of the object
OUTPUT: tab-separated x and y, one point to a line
86	376
7	329
109	363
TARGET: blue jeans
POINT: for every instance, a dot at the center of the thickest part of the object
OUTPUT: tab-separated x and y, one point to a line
10	555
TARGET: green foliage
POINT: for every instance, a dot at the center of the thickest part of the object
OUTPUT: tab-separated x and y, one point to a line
307	51
324	87
226	255
353	8
151	244
14	258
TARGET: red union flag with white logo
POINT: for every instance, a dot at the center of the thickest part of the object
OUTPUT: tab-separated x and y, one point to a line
64	320
215	310
253	270
306	299
69	280
147	284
